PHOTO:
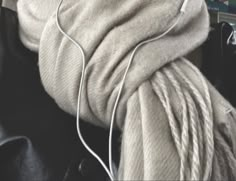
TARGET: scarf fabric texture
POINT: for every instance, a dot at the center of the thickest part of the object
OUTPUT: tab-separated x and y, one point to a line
174	124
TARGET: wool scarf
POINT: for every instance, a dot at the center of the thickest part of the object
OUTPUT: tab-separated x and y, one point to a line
175	125
32	17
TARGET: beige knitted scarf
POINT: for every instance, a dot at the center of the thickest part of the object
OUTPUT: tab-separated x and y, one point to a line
174	124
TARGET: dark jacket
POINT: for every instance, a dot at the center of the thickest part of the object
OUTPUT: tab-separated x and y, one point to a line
219	55
38	141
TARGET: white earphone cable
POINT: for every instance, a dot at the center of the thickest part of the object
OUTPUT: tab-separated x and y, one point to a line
110	173
123	81
79	94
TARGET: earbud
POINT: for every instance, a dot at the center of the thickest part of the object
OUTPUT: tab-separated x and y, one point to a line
184	6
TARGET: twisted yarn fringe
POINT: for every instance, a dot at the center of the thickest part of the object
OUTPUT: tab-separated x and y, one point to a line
207	119
192	132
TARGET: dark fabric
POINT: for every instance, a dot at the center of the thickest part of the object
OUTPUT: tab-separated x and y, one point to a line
219	60
38	141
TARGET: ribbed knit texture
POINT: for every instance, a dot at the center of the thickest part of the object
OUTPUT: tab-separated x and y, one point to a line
175	124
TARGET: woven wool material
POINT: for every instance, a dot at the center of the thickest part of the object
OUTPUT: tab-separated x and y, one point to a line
33	16
108	30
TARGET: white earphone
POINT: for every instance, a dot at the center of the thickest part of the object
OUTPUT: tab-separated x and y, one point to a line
110	171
